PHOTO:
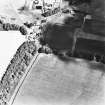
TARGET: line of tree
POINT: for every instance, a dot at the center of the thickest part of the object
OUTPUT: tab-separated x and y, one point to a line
14	27
15	70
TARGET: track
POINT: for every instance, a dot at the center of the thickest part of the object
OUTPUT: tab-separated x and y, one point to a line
35	59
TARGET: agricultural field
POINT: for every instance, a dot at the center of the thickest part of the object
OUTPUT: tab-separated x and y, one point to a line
50	81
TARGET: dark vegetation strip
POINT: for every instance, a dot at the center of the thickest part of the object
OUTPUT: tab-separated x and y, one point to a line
15	70
14	27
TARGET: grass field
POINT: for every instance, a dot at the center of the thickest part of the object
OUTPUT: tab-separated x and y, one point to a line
53	82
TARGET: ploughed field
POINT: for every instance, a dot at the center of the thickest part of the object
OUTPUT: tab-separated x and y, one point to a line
95	26
93	48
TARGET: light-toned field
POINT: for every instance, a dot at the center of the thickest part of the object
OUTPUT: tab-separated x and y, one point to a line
53	82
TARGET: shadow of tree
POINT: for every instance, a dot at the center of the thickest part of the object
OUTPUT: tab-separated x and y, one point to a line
96	66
